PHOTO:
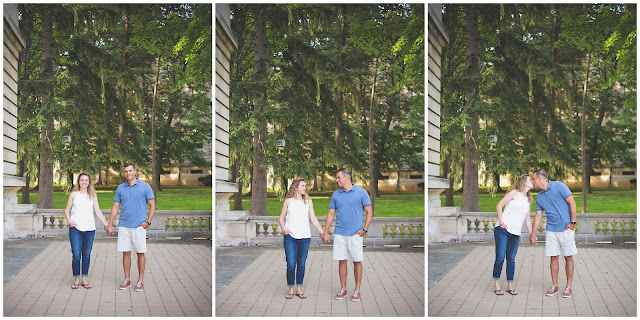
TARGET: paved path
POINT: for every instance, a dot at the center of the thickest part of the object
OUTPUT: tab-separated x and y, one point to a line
178	282
392	285
604	285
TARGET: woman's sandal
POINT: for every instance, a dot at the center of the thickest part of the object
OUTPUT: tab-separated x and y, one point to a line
513	292
86	286
75	286
301	295
289	296
500	292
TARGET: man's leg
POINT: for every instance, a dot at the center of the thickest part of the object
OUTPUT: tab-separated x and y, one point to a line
141	263
342	270
554	270
569	269
126	263
357	273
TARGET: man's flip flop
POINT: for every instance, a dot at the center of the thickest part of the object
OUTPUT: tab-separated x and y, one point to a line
500	293
513	292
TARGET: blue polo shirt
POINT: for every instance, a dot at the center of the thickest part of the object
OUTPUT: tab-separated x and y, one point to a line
133	203
553	202
349	208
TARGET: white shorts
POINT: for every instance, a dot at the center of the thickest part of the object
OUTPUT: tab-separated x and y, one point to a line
345	245
136	235
564	240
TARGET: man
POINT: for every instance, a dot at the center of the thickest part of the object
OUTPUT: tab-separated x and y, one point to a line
133	195
556	200
349	202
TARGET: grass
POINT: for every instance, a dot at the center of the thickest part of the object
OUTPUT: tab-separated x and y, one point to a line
390	204
170	198
601	201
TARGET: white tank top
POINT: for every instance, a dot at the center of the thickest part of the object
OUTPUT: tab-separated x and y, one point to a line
515	212
82	212
297	219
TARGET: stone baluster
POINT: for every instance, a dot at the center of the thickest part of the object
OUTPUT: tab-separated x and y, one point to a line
401	231
410	228
56	223
617	231
261	230
626	228
600	228
609	228
47	222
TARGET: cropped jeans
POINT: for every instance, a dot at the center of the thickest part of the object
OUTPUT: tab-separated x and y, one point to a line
295	251
506	246
81	244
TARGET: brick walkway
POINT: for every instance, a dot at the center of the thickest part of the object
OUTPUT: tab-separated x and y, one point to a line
177	282
604	285
392	285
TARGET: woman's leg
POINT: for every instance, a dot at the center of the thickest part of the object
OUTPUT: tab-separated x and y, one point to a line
87	245
290	251
303	250
500	236
75	237
512	250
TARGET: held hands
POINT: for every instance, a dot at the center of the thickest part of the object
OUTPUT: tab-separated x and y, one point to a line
326	237
110	229
533	239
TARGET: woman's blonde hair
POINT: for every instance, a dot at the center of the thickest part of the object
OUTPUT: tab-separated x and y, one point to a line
519	185
90	190
291	193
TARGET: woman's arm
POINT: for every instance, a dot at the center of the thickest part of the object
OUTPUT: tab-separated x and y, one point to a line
527	221
67	210
508	197
96	209
283	214
313	218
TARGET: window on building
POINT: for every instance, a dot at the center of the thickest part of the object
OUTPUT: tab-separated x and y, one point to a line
196	171
383	177
415	176
163	171
596	174
628	173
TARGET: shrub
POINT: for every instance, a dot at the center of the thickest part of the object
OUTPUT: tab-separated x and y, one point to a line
206	180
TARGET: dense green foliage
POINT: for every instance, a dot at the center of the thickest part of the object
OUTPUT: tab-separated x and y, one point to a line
117	67
533	62
330	70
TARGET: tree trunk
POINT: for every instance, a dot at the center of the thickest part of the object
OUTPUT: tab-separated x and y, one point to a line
585	174
446	172
123	89
237	197
259	177
154	163
22	172
340	95
590	152
45	173
373	187
470	181
552	89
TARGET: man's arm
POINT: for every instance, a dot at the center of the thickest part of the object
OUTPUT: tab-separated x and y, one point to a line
152	209
572	210
536	223
327	225
112	216
369	210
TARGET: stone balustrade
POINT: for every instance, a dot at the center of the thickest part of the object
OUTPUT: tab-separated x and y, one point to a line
238	228
452	225
166	223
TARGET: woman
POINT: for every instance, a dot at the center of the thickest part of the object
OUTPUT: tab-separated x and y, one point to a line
82	203
296	212
507	233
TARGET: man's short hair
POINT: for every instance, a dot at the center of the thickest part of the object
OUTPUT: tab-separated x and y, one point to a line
541	173
345	172
126	164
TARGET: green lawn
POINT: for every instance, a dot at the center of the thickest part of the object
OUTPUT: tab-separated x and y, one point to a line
391	204
170	198
601	201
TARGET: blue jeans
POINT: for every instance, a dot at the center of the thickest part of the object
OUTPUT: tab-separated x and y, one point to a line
81	244
506	245
295	251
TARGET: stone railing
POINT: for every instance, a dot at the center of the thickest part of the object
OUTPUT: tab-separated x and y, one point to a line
456	226
237	228
166	223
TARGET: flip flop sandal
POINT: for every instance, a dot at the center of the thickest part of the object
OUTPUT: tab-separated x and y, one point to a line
75	286
301	295
289	296
513	292
86	286
499	294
